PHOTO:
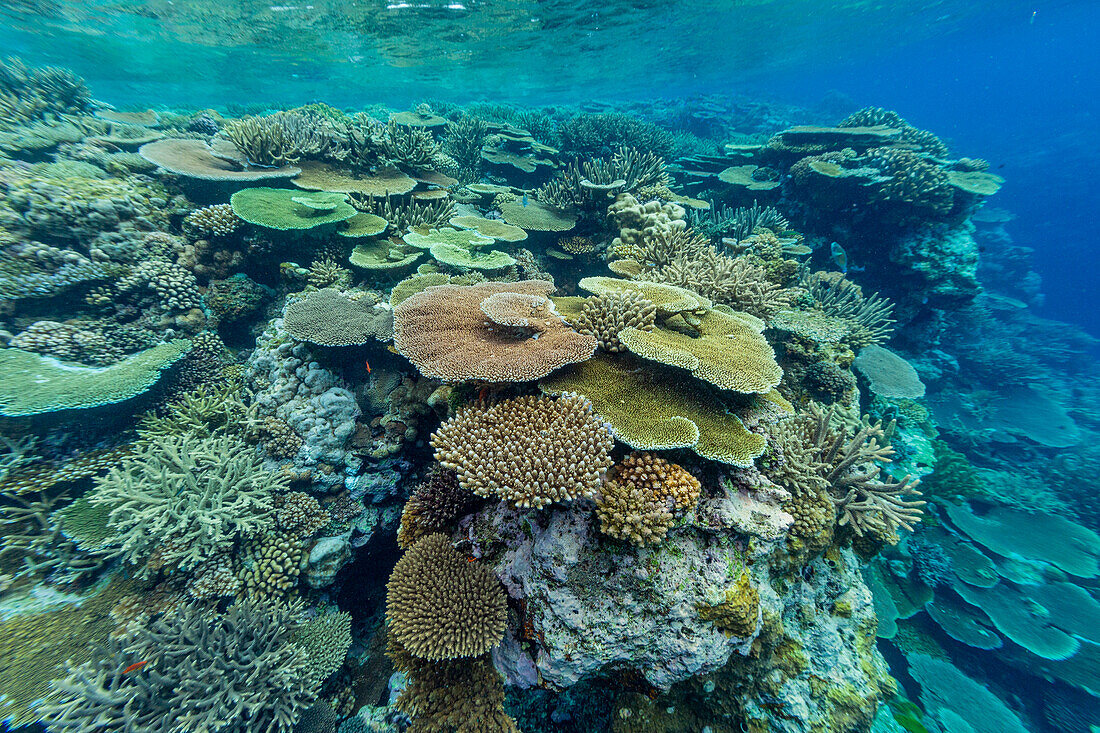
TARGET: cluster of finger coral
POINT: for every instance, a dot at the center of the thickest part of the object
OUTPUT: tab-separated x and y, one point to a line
440	606
642	498
433	505
531	451
217	220
604	316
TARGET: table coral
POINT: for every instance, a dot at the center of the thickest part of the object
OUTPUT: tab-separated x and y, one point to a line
444	332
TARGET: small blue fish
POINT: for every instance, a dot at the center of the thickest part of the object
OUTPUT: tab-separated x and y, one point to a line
840	257
524	198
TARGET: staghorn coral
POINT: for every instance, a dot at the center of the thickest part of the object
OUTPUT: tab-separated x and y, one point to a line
604	316
463	143
179	499
405	215
283	138
822	457
39	542
738	224
642	497
732	281
588	184
531	451
232	673
869	317
439	606
213	221
327	318
445	333
592	134
408	145
38	93
433	506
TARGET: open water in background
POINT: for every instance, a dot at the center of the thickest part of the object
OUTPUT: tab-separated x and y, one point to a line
1012	81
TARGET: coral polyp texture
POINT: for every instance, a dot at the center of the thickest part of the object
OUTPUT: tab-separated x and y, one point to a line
446	334
531	451
441	606
643	496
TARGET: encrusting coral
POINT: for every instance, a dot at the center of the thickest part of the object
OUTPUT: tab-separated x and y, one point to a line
531	451
440	606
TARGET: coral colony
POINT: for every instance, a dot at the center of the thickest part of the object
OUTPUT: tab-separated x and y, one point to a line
477	418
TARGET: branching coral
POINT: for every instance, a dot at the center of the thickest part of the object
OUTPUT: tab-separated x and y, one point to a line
587	184
836	296
921	139
821	456
532	451
439	606
28	93
180	499
604	316
213	221
643	496
738	224
280	139
463	143
232	673
433	506
405	215
465	695
597	134
408	146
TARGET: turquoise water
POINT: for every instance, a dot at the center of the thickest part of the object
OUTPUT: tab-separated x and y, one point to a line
487	366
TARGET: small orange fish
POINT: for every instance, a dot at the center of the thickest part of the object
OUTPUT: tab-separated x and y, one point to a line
135	666
367	365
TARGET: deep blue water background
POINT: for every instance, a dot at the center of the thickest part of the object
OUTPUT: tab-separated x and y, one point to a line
1024	94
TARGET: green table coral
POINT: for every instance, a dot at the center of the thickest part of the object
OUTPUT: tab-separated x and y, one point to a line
728	351
382	254
287	209
669	299
427	238
31	384
649	408
364	225
457	256
494	228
